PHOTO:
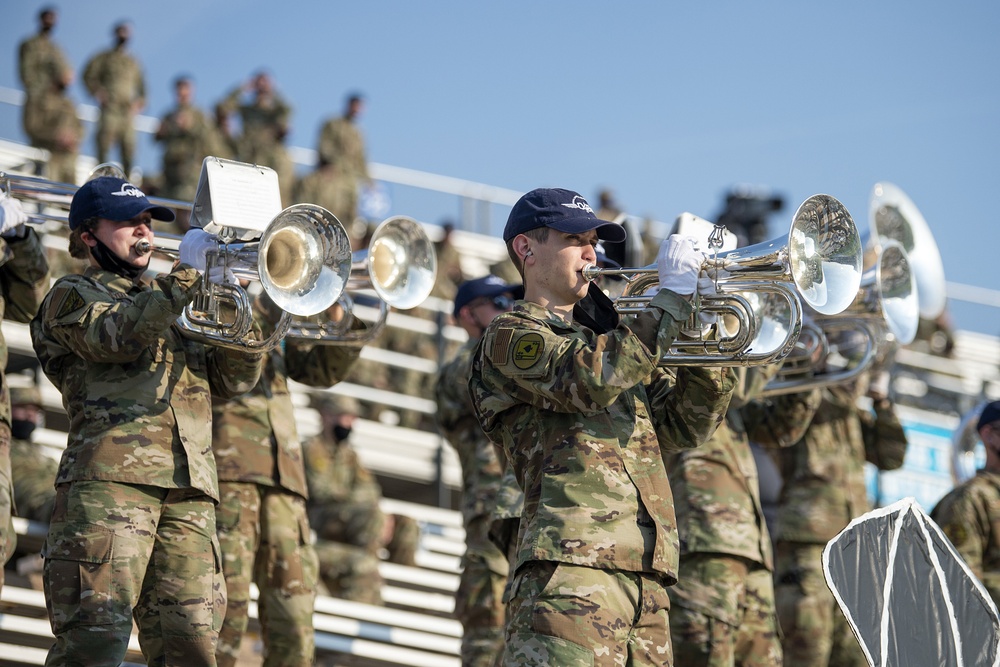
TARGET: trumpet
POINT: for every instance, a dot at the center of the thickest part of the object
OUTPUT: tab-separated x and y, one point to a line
762	286
399	265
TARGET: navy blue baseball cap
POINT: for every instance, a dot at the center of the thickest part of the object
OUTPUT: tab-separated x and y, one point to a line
488	287
562	210
990	414
112	198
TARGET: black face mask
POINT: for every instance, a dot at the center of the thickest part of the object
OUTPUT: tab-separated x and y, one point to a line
21	429
109	261
341	433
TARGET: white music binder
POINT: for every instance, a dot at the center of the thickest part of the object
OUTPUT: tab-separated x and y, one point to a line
235	200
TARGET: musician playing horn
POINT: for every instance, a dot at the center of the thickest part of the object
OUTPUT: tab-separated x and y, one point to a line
132	535
584	413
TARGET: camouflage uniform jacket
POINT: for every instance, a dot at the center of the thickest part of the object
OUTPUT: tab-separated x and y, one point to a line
716	489
341	144
336	478
34	477
481	470
970	516
53	123
582	418
41	65
136	391
117	77
264	125
24	280
823	480
187	135
254	435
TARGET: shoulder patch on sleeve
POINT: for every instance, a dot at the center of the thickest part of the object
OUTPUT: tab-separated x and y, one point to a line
528	350
501	345
71	302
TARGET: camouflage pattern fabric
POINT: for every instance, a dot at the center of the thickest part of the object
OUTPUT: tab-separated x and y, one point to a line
265	539
479	600
24	279
264	126
115	79
823	489
44	71
506	518
54	126
127	373
723	533
34	476
583	418
730	587
256	443
341	144
814	630
968	515
117	551
328	188
349	572
570	615
187	136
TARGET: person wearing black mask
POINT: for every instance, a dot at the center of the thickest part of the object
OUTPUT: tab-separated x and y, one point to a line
32	471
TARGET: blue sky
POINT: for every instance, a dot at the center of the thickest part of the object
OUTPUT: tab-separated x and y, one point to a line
669	104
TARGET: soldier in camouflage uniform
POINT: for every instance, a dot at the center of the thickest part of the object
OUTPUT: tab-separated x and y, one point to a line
584	413
970	513
326	186
263	527
264	118
33	472
114	78
132	534
43	69
341	143
56	128
478	603
723	609
24	279
187	135
823	490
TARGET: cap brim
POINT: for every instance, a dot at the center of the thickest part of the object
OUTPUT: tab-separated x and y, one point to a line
495	290
160	213
157	212
606	231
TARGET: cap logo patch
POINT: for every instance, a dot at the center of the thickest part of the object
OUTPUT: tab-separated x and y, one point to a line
580	203
528	350
129	190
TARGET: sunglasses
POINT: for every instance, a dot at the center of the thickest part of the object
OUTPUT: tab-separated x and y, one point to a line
501	302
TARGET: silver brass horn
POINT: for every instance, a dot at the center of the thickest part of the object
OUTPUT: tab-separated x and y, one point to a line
818	261
302	261
893	216
883	313
399	265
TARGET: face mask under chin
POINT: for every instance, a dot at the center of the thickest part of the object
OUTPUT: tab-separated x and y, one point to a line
109	261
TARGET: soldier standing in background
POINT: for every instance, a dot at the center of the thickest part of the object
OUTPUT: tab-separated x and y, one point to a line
326	186
264	119
137	486
970	513
114	78
49	116
345	512
263	527
187	135
722	608
341	143
24	280
479	600
823	490
33	472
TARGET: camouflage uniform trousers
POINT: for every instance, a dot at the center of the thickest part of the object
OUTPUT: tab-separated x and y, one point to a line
479	607
349	572
115	551
8	538
115	128
723	613
815	631
265	539
569	615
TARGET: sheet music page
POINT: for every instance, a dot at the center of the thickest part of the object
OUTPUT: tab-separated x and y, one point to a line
242	197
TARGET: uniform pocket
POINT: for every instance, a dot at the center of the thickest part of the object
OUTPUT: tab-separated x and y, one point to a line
79	578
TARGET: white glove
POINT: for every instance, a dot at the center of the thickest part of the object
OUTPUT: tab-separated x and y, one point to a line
221	275
679	264
195	246
11	215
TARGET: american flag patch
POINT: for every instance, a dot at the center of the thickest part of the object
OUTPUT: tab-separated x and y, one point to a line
501	345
